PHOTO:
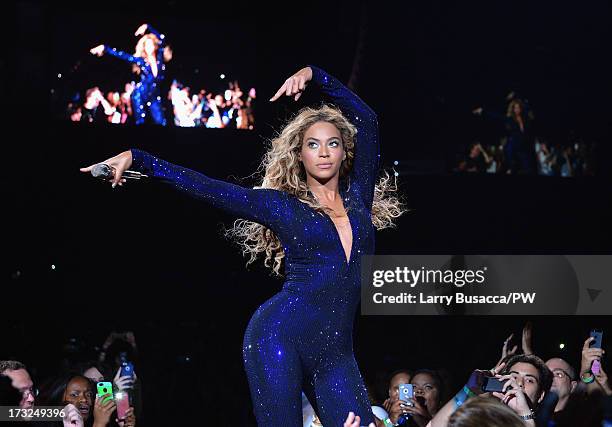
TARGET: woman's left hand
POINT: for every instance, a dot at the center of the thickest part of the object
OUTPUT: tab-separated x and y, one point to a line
141	30
419	412
294	85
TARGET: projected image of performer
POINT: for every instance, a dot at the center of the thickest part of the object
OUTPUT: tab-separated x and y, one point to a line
315	211
148	62
519	150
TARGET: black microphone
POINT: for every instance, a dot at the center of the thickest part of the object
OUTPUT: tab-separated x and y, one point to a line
107	173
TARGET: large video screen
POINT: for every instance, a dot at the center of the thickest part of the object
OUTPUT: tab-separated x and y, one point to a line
167	71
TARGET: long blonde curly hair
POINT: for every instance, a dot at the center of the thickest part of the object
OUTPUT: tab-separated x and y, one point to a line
282	170
139	51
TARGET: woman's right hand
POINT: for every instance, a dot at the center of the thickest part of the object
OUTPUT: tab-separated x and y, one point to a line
98	50
294	85
394	408
141	30
104	407
120	163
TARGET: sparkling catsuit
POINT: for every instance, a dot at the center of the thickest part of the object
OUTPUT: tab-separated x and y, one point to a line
301	339
146	95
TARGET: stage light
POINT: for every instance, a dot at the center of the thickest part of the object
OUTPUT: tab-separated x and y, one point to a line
561	346
395	162
222	76
52	266
59	76
396	173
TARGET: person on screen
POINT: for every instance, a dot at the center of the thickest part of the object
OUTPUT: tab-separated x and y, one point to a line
148	62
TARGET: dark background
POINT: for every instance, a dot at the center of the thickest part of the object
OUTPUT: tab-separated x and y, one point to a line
147	259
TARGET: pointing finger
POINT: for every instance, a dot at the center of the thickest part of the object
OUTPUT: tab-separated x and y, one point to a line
278	92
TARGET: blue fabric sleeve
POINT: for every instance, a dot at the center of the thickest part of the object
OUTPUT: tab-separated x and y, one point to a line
264	206
122	55
367	156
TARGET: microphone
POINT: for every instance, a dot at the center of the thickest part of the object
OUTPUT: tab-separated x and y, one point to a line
106	172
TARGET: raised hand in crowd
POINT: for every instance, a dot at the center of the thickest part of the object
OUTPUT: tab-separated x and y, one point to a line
353	420
590	355
72	416
418	411
514	396
104	407
125	382
526	344
130	419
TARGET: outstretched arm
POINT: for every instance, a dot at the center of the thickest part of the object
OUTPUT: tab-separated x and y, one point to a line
367	157
102	49
489	114
264	206
122	55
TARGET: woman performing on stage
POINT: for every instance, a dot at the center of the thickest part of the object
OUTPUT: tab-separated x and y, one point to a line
316	208
519	150
148	59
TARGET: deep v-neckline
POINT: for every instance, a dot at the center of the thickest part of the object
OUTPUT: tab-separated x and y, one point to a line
347	261
339	236
150	64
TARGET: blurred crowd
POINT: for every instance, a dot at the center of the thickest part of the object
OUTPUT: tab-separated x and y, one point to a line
522	388
577	159
521	150
234	108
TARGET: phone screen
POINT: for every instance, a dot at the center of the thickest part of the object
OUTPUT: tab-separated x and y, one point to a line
123	404
405	392
104	388
598	335
127	369
493	384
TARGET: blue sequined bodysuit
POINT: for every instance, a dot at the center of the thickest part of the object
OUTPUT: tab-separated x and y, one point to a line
301	339
146	96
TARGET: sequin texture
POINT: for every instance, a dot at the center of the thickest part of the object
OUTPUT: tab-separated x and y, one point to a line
301	339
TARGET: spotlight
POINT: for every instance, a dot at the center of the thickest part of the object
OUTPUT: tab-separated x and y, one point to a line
222	76
562	346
